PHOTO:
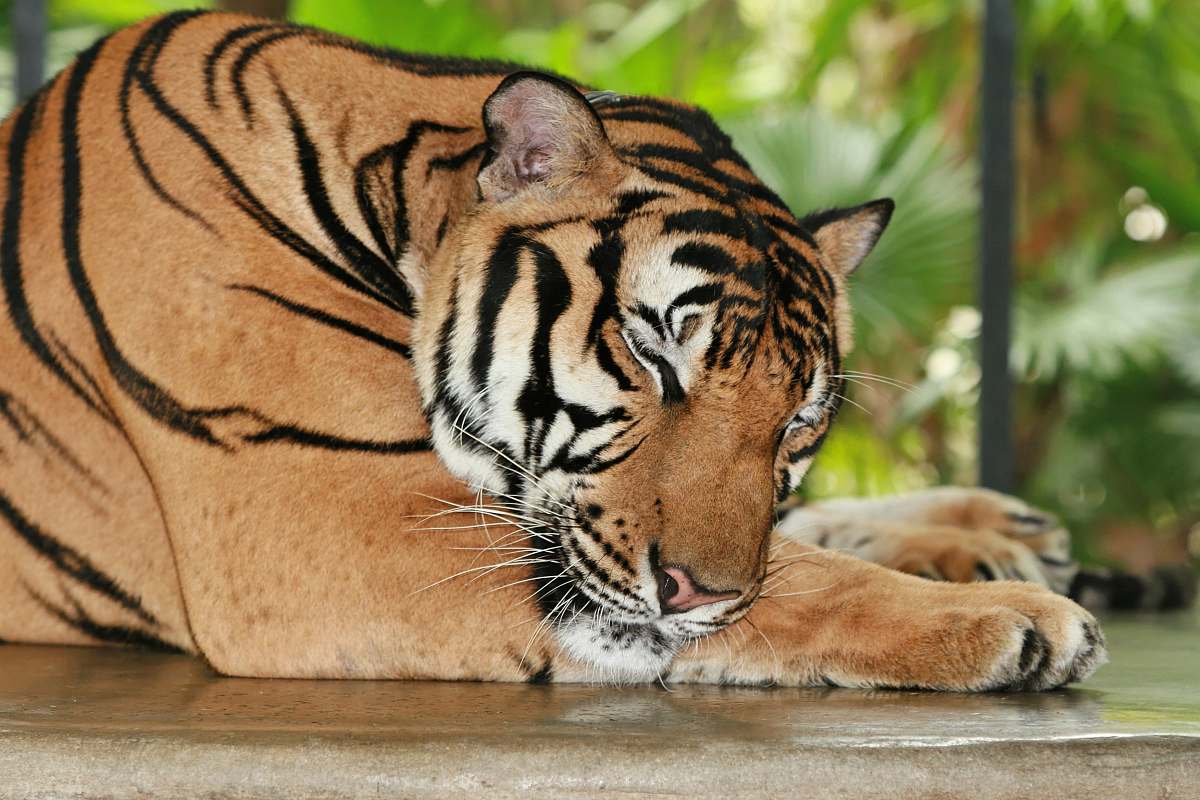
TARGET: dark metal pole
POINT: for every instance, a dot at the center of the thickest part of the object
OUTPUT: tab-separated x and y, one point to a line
996	461
29	41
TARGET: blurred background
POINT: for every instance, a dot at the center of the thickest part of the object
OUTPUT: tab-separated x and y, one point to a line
840	101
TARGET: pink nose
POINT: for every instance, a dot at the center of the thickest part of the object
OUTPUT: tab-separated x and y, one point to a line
678	592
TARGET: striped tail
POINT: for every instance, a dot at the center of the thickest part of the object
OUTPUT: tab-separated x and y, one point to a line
1165	588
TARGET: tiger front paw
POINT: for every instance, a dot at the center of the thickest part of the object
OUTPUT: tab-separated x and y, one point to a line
997	637
837	620
1054	642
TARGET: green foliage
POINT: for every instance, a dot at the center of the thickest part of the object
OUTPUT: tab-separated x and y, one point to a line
460	27
113	13
1085	318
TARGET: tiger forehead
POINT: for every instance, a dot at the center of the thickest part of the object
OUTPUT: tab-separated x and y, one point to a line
663	248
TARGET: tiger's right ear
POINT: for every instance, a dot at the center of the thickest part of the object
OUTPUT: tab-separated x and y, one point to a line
543	133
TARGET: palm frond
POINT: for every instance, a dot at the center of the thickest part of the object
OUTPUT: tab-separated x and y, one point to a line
924	261
1100	321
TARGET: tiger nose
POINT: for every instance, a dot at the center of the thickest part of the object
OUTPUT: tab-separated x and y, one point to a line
677	592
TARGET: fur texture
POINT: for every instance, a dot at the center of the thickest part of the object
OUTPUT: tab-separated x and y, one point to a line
328	361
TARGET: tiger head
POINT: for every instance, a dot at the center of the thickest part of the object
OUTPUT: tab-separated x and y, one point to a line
634	347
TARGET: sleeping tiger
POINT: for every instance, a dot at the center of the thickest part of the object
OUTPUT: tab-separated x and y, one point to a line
327	361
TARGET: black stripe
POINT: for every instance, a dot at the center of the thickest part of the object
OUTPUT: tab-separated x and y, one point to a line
28	427
242	63
597	466
10	260
605	260
701	162
245	199
155	400
228	40
672	390
445	342
538	399
796	456
716	194
645	116
81	621
293	434
325	318
631	202
700	295
544	675
401	152
456	161
689	121
501	277
372	269
70	562
367	208
592	573
153	40
706	221
705	257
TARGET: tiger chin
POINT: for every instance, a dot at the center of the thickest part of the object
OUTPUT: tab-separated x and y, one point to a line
328	361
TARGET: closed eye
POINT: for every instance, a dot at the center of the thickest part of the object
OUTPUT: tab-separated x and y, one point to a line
686	328
665	376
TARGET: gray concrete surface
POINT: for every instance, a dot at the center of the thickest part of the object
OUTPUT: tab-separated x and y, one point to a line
88	723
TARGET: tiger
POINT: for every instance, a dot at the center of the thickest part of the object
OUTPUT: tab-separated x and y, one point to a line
328	361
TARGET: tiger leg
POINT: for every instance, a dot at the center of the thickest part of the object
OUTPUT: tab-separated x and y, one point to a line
84	556
829	619
947	533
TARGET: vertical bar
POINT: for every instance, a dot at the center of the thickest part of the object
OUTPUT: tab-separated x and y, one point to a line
996	460
29	41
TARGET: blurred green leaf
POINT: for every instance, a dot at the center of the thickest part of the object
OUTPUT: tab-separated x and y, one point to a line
1097	321
924	261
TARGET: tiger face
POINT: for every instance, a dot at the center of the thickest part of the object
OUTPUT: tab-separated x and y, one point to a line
634	348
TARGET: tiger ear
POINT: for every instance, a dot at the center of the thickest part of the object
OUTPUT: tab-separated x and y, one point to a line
542	132
846	236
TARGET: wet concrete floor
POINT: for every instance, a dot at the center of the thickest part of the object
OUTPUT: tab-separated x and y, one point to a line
79	722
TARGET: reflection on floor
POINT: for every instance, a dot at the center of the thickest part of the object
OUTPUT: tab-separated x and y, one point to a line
84	722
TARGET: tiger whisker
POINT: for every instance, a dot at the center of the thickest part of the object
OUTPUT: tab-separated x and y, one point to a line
477	510
543	625
521	561
504	516
857	405
520	533
507	548
553	582
520	470
459	508
523	580
774	653
871	376
794	594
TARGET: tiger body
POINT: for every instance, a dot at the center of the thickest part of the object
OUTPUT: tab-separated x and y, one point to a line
326	361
